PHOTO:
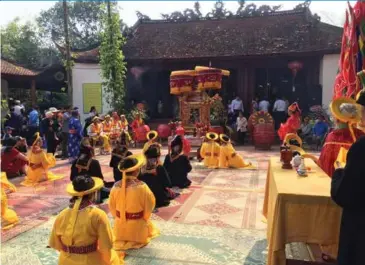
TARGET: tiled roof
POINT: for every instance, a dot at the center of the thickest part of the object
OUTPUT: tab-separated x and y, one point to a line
8	68
284	32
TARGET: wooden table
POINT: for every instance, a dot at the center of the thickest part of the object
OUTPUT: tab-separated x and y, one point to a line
299	209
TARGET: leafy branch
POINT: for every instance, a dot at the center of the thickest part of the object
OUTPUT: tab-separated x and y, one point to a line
113	66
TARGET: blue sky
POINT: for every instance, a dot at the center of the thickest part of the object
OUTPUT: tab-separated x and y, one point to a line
330	11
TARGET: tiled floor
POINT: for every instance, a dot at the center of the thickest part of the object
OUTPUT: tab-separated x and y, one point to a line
224	199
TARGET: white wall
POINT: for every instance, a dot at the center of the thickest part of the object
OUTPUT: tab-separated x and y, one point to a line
86	73
328	71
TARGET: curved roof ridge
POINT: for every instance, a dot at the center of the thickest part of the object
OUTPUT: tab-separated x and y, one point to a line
203	19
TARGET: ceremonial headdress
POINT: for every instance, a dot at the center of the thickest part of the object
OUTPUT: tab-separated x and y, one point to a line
127	165
80	186
37	138
294	107
176	152
95	118
346	110
293	139
180	131
360	98
153	151
212	136
224	138
152	135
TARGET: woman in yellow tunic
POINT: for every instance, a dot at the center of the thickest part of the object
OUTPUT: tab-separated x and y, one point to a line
124	127
39	163
95	131
82	233
228	156
8	216
210	150
131	203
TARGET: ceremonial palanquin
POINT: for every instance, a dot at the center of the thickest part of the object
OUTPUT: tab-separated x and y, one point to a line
194	102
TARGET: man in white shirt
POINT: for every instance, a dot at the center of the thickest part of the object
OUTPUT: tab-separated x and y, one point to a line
279	111
264	105
18	109
237	106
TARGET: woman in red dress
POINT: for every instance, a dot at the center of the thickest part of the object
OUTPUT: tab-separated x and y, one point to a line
292	124
13	162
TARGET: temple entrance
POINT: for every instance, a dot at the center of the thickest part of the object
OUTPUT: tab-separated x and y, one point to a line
271	82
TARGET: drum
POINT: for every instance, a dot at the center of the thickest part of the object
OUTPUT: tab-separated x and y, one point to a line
263	135
164	131
141	133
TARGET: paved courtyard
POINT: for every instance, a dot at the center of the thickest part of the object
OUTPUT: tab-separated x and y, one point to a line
217	220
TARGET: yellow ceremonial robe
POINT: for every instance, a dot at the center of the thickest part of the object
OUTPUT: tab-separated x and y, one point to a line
8	216
210	152
96	132
39	163
91	225
229	158
133	233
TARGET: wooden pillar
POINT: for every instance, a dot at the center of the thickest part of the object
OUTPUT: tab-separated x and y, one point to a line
240	91
250	86
33	92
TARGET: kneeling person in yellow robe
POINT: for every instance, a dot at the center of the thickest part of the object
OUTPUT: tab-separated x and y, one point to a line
39	163
228	156
8	216
210	150
82	233
131	203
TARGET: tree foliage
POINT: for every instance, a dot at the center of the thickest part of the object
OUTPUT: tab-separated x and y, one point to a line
22	43
220	12
113	66
85	23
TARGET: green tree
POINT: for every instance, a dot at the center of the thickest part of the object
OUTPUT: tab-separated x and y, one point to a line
22	43
113	66
85	23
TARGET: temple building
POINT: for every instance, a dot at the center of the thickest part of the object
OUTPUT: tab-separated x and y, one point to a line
22	83
291	53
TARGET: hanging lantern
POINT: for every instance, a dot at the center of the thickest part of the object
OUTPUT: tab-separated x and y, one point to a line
295	66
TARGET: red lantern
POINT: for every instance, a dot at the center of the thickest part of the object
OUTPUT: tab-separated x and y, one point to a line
295	66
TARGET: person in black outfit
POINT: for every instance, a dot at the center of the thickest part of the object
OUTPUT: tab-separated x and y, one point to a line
156	177
48	130
177	164
119	152
347	190
85	164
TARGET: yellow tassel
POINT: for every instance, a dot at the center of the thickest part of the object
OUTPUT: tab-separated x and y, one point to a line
71	223
124	187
